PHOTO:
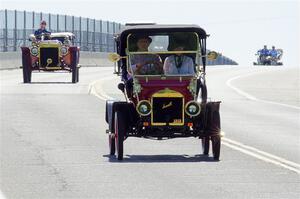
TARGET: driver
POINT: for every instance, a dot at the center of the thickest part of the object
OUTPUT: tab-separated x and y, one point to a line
41	30
145	64
179	63
264	51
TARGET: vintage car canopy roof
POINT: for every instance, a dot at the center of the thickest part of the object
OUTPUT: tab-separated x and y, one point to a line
62	34
161	28
152	29
57	34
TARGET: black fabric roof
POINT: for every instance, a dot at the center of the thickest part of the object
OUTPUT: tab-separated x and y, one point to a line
152	29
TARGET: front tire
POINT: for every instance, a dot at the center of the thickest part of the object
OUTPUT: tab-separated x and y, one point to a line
26	66
119	134
26	75
216	138
75	74
216	146
205	145
74	66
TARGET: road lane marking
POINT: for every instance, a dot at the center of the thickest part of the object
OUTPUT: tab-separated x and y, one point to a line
251	97
262	155
238	146
100	94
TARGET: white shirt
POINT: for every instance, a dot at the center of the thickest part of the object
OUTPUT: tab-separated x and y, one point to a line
186	67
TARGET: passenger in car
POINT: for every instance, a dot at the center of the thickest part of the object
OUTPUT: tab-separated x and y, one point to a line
179	63
273	52
145	64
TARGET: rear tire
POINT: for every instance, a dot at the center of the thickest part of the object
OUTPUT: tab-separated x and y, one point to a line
112	146
119	134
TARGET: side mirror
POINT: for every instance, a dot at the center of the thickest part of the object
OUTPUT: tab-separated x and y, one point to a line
114	57
212	55
121	86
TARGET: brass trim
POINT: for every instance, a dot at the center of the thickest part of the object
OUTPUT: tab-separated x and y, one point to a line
54	67
137	107
185	108
49	46
167	93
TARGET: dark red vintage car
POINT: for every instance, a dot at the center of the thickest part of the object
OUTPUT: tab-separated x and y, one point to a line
50	53
163	81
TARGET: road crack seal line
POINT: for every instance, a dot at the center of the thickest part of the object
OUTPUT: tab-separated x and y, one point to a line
251	97
39	154
248	150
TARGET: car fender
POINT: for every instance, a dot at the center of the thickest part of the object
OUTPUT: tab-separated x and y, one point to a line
75	53
126	109
212	113
26	57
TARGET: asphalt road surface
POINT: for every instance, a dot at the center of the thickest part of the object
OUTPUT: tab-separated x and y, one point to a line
53	141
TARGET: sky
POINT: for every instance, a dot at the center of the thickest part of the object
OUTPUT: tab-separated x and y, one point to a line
237	28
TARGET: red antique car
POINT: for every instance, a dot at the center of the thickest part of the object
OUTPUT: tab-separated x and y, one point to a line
50	53
163	81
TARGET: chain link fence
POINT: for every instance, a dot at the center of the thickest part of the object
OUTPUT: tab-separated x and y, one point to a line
91	34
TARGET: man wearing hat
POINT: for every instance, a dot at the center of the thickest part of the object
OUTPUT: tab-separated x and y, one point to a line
41	30
145	64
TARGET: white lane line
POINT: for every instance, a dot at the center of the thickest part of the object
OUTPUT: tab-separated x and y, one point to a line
262	155
251	97
100	92
2	195
238	146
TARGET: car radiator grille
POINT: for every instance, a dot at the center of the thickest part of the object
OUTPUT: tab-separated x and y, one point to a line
167	110
47	54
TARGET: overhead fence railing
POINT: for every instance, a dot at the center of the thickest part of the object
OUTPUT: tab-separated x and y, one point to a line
91	34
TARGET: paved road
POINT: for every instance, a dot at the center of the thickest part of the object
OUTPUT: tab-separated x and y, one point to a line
53	142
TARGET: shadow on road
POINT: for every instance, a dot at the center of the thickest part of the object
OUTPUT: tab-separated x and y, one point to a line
160	158
51	83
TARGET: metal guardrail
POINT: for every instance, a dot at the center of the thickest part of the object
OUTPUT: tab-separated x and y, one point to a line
91	34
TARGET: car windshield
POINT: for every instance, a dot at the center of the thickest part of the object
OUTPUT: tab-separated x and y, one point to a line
169	54
61	39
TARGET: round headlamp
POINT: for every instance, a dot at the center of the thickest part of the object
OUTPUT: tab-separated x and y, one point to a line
64	50
34	51
143	108
67	41
192	108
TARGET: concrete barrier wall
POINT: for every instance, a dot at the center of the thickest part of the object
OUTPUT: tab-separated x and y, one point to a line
90	59
13	60
10	60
